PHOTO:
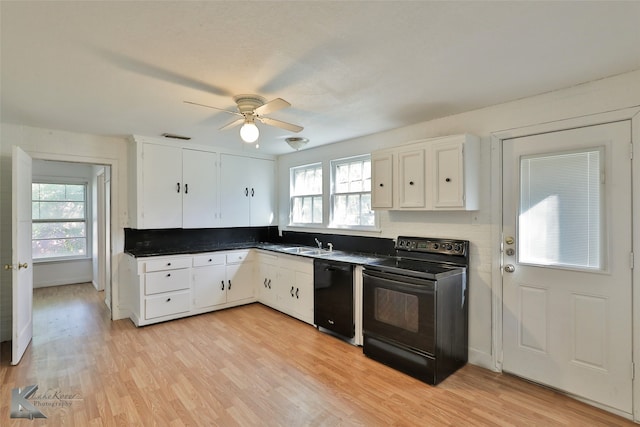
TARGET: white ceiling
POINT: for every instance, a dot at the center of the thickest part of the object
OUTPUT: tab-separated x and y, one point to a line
348	68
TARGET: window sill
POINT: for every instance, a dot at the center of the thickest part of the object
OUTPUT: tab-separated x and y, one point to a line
60	259
320	228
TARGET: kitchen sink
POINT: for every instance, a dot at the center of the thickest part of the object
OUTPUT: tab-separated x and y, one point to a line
305	250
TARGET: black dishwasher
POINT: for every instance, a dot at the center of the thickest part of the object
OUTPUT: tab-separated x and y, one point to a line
333	296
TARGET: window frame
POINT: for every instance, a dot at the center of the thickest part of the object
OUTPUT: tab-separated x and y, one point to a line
87	219
292	196
333	164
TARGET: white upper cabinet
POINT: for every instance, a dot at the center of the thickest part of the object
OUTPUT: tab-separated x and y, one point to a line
411	178
382	174
246	191
454	173
435	174
175	188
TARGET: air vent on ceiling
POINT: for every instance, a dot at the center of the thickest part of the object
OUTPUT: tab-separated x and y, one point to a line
174	136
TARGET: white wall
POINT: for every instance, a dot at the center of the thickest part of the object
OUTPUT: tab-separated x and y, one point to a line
62	146
65	272
587	99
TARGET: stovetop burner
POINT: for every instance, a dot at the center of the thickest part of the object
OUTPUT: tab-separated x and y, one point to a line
429	258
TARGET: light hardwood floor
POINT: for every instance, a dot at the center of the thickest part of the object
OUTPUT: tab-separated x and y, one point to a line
247	366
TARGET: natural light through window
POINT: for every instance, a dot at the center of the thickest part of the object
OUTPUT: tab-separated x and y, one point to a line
59	214
351	192
561	210
306	194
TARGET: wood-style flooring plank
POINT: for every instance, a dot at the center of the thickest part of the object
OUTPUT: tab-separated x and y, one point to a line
247	366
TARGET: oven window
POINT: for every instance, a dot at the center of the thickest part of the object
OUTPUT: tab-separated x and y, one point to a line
396	309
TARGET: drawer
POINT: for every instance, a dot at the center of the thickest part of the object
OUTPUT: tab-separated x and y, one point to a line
210	259
166	305
166	281
167	264
237	257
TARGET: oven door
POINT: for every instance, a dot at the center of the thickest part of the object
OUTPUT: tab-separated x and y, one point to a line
399	308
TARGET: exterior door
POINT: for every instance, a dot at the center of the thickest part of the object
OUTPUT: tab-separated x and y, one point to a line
22	275
567	319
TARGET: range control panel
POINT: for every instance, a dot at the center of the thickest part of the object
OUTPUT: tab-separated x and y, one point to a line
432	245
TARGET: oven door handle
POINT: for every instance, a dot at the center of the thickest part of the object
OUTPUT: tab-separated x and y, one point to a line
411	284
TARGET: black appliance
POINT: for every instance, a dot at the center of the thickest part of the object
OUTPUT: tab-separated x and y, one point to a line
333	297
415	314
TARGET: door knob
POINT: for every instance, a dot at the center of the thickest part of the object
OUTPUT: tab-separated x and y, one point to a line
8	266
509	240
509	268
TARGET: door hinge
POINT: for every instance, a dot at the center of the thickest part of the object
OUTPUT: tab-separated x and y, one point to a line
631	260
631	150
633	370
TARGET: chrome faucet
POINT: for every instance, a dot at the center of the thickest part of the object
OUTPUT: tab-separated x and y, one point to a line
318	242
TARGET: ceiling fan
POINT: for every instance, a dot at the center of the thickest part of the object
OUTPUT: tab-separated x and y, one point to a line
250	109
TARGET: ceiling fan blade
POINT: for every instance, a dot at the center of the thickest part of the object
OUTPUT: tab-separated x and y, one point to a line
271	106
280	124
232	124
215	108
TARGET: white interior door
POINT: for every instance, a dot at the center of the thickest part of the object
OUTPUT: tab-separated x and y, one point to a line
567	272
22	276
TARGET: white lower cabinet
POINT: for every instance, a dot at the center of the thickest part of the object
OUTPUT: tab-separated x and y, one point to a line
166	288
286	284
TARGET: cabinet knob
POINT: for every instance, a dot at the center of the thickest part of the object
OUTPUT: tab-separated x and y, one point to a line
210	260
410	182
168	299
168	264
381	185
168	274
448	179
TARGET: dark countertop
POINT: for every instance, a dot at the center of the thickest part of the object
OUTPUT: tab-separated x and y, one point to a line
289	249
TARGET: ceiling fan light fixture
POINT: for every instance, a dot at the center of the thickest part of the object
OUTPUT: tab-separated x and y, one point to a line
296	142
249	132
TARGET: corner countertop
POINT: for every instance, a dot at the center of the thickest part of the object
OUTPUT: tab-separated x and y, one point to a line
289	249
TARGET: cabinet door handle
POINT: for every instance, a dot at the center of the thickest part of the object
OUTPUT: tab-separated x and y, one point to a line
292	292
222	281
178	186
269	283
186	188
246	192
297	291
252	192
229	287
265	282
210	260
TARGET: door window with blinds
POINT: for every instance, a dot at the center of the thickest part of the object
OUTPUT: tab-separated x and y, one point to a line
561	210
59	221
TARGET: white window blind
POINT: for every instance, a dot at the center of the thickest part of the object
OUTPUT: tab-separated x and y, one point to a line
561	210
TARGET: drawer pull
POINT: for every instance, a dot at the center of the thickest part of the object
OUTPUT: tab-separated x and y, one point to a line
168	299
